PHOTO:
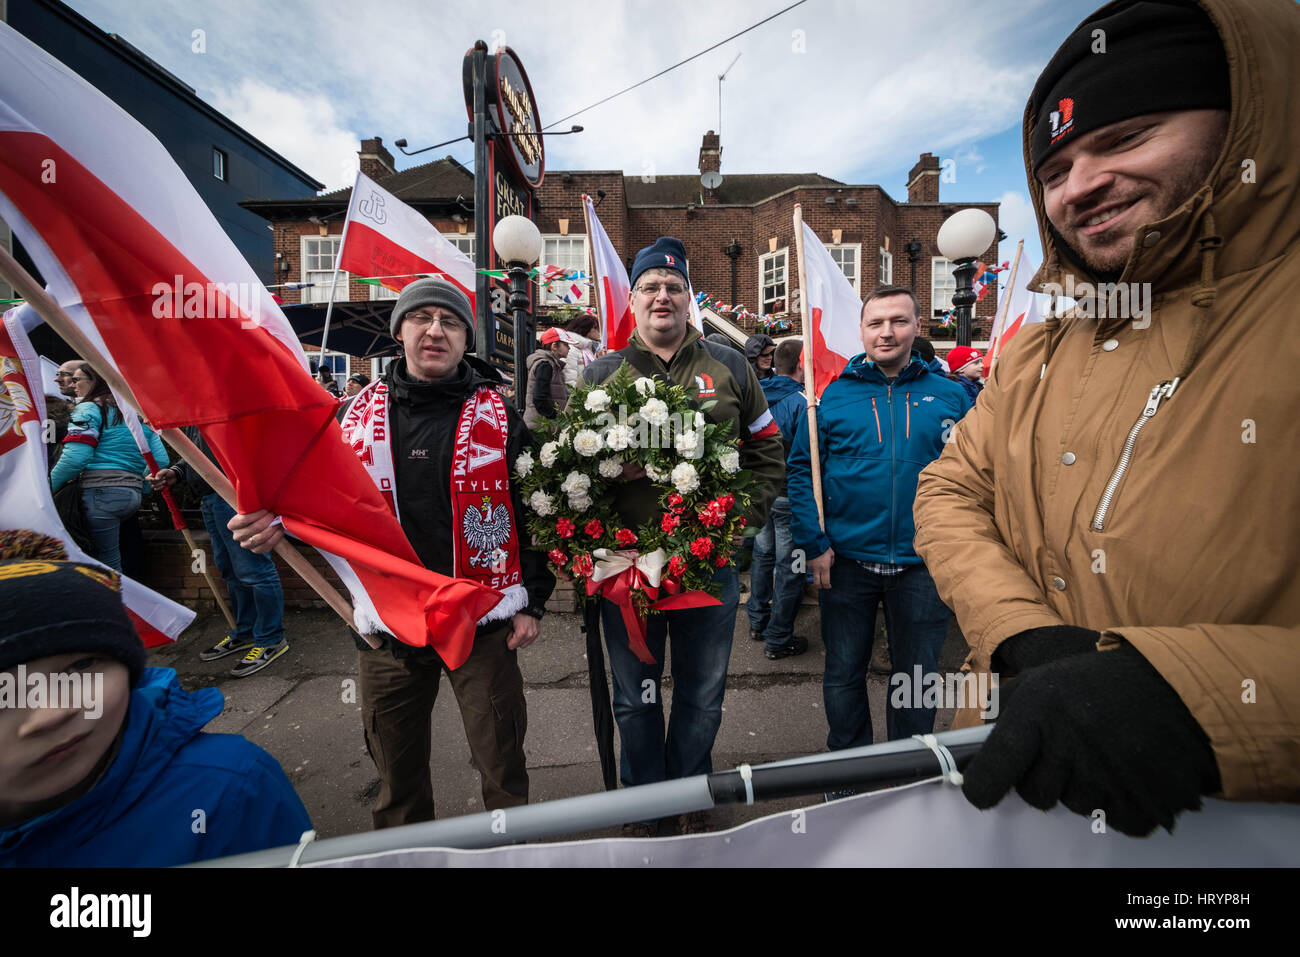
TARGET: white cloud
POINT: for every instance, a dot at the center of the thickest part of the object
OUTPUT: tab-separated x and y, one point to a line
1016	219
303	127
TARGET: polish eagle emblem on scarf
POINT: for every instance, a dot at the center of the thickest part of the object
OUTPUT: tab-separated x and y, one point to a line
486	530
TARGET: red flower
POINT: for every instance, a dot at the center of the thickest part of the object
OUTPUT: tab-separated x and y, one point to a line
582	566
558	557
594	528
670	522
722	560
625	537
565	528
726	501
741	522
675	499
701	548
676	565
711	516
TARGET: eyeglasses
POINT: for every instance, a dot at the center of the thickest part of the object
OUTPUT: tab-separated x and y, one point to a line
651	289
423	319
63	375
767	355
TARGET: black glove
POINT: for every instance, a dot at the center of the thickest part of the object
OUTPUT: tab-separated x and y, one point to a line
1038	646
1101	730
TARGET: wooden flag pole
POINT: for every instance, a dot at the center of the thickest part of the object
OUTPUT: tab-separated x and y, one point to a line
996	345
809	387
61	323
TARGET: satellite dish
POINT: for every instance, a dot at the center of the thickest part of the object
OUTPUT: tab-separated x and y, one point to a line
711	180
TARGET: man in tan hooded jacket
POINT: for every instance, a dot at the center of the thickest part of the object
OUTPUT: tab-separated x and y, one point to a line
1117	523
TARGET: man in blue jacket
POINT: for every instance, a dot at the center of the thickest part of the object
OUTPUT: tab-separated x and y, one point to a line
883	420
772	606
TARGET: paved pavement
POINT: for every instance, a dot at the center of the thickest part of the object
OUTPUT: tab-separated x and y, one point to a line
303	710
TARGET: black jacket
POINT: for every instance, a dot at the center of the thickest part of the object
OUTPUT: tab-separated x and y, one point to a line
187	474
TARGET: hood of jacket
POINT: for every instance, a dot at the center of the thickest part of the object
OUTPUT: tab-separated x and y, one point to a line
755	344
778	387
161	719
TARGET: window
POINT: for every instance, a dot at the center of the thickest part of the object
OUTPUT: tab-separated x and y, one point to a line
336	362
318	255
380	365
847	257
567	252
772	282
218	164
886	268
942	285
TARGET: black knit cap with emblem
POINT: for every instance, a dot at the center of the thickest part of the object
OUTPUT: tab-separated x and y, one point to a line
51	606
1149	57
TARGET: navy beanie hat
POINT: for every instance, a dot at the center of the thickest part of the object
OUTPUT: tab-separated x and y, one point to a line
1159	55
666	253
434	292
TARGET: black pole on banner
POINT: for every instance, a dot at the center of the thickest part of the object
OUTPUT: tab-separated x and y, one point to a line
485	334
602	711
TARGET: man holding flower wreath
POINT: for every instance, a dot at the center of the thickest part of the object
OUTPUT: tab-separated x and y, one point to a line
666	348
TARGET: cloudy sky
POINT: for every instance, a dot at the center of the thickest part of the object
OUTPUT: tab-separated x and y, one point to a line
852	90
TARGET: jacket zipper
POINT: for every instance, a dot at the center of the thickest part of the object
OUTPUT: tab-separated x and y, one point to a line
908	406
1161	392
874	411
893	477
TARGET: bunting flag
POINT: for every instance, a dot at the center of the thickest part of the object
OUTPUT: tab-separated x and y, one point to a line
1022	310
137	261
385	238
612	286
834	311
25	499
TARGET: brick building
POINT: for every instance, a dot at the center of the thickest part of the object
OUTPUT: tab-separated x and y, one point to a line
739	235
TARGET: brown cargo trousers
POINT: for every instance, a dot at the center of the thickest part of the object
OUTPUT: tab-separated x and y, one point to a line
397	698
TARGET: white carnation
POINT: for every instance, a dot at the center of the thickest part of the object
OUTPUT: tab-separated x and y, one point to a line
730	461
685	478
644	386
541	503
576	483
655	412
524	464
656	475
687	443
580	503
611	468
597	400
618	437
587	442
549	453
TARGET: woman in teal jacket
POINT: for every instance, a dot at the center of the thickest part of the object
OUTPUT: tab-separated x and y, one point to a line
101	449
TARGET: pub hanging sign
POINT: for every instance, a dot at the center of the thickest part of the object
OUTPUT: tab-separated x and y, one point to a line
515	111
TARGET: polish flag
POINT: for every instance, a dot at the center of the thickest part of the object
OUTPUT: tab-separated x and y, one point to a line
1023	310
387	239
132	254
25	499
834	314
611	285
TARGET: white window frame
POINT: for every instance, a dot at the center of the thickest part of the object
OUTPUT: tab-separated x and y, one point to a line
548	297
220	165
334	360
320	291
763	299
856	249
941	293
379	365
886	267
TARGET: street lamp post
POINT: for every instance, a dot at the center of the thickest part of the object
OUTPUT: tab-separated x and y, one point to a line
962	237
519	244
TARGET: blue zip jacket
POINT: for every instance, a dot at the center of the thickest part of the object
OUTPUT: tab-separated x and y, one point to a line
91	445
874	439
141	813
786	402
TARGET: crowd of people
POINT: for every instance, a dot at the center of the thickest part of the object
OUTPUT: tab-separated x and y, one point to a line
1098	569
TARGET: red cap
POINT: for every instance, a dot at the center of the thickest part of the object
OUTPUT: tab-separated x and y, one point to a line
550	335
961	356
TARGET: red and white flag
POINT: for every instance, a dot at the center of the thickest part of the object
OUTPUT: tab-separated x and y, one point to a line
25	499
1023	310
386	239
132	254
834	314
611	285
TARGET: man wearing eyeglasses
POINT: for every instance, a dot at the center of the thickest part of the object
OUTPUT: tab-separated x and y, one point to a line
667	347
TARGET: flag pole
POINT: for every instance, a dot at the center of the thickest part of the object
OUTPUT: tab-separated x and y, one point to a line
996	345
58	320
329	308
591	264
809	387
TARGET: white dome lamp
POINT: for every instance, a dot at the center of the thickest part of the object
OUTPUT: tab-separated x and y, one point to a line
962	237
518	243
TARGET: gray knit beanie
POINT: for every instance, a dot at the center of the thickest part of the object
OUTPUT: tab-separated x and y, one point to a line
434	292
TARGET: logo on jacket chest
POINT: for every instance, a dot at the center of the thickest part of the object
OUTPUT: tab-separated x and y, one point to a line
704	386
417	455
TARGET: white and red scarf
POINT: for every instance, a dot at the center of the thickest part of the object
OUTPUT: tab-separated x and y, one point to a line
484	544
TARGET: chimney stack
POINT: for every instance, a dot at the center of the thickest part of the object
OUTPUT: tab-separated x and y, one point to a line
923	180
376	161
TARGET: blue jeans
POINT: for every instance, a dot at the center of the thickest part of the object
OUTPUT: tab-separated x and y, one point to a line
701	649
916	623
106	509
256	598
771	610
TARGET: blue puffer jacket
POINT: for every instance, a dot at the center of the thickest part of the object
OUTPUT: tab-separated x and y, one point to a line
786	402
93	444
142	811
874	439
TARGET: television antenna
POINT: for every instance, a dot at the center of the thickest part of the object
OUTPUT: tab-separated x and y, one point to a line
722	76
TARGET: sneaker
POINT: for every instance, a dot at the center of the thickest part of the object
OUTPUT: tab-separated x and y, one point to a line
796	646
755	634
258	658
226	646
695	822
